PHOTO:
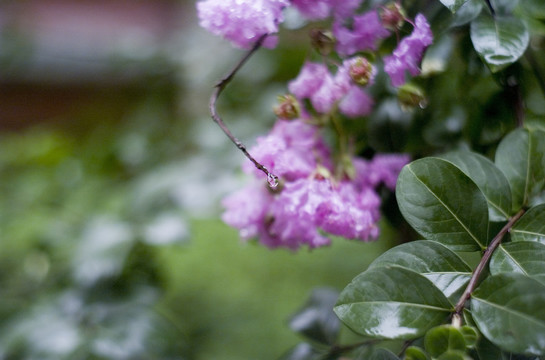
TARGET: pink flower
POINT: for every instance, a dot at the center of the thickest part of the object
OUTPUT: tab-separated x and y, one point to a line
313	9
366	31
409	52
309	80
323	89
350	213
356	103
294	211
382	169
242	21
246	210
321	9
291	150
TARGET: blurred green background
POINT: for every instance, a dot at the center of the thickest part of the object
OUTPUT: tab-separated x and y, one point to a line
111	175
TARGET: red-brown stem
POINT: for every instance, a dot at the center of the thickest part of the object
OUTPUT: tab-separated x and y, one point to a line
482	264
214	98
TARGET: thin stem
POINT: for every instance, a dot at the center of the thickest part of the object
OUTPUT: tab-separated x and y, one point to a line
482	264
218	88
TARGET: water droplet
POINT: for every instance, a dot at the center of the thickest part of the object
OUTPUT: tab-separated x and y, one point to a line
272	180
423	104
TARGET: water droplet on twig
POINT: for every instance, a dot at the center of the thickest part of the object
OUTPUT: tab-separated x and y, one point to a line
272	180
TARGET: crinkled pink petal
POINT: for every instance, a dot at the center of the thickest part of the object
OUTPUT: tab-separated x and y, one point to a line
366	32
309	80
356	103
245	209
242	21
408	54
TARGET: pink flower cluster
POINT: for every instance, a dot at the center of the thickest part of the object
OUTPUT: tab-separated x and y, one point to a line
310	202
324	90
244	21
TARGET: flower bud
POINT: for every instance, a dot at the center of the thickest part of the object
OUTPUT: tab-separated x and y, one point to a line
393	16
322	41
360	71
410	96
288	108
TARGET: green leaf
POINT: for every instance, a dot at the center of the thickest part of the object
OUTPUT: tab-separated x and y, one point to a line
467	12
383	354
393	303
523	257
531	226
470	335
490	180
504	7
443	204
453	5
454	355
509	310
316	320
442	339
534	8
499	41
521	157
415	353
443	267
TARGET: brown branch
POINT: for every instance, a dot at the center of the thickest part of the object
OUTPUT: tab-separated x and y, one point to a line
482	264
218	88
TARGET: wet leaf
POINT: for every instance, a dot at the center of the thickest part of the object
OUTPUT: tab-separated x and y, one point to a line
448	272
490	180
443	204
508	309
531	226
392	302
523	257
499	41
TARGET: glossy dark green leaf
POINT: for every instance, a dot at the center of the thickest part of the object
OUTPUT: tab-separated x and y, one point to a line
490	180
436	262
531	226
316	319
443	204
521	157
392	302
442	339
509	310
503	7
467	12
383	354
524	257
499	41
488	351
416	353
453	5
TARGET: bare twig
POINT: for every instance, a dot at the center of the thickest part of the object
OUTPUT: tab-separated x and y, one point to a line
482	264
272	179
